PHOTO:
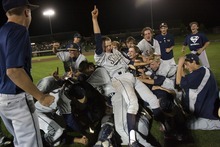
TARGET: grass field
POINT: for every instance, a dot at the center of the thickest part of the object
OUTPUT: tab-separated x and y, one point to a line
201	138
41	69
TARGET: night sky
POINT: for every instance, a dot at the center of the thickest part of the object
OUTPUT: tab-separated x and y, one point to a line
120	15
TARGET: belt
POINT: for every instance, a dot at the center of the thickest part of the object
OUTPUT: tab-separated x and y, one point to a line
119	72
11	95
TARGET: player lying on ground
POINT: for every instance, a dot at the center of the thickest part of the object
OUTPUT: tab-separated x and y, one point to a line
87	107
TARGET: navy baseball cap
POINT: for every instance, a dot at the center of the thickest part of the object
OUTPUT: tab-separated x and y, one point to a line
77	35
73	46
163	25
9	4
192	57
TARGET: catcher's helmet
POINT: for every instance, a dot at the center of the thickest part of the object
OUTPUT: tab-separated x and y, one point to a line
74	91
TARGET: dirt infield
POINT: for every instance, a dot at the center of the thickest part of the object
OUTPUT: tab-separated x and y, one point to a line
35	60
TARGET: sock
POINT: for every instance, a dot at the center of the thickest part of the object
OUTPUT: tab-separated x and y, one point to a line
131	121
132	136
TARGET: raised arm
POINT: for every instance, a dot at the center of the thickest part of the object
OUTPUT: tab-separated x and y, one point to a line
95	14
56	45
97	32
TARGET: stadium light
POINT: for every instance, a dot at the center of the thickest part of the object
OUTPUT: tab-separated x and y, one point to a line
49	13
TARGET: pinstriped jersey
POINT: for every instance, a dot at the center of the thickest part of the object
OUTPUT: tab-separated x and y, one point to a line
113	62
70	62
167	70
147	48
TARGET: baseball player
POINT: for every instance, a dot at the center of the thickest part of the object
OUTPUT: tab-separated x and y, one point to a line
166	42
161	82
130	41
70	59
106	135
197	43
201	94
124	82
88	106
99	78
159	73
140	62
148	45
142	123
47	85
158	67
17	90
76	40
53	132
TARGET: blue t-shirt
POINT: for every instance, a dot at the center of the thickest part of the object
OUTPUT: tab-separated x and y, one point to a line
207	102
195	41
165	41
15	52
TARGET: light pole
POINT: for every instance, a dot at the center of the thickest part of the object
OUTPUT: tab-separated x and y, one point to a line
151	14
49	13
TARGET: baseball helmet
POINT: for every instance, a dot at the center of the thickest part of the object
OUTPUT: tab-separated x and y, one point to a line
75	91
77	35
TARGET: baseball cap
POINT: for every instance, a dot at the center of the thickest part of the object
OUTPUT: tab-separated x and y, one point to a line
73	46
192	57
163	25
77	35
9	4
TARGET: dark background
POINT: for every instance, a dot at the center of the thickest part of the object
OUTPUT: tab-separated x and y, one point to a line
120	15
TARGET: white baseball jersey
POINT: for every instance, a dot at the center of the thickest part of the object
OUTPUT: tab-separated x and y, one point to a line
146	48
65	57
51	129
124	82
113	62
169	71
